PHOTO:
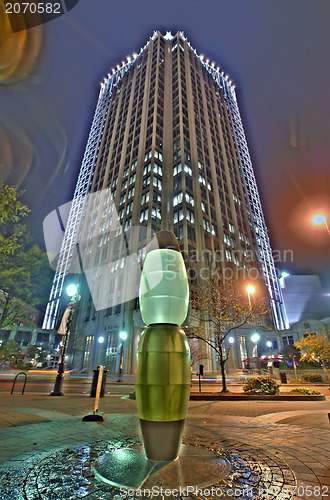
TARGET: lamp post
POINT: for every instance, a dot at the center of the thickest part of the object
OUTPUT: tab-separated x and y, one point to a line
231	341
255	338
250	290
64	329
123	336
270	361
320	219
269	345
100	341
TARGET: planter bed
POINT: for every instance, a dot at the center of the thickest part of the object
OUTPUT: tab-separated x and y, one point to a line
238	396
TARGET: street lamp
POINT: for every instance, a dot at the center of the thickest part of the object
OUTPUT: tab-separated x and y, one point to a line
123	336
64	329
100	341
231	340
250	290
319	219
255	338
270	361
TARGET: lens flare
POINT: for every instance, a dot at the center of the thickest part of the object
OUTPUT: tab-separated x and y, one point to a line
19	51
33	147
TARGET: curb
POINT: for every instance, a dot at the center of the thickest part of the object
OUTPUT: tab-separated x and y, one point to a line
246	397
256	397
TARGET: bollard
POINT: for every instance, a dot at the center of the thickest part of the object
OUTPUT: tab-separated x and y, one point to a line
95	380
94	417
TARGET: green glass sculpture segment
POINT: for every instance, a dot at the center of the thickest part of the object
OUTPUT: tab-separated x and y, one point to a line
162	380
164	292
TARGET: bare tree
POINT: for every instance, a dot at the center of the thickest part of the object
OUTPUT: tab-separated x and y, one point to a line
218	307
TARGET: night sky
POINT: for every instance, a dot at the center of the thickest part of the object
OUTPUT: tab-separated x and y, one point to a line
277	53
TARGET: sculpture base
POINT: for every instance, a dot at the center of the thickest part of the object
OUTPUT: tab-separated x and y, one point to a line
162	440
129	468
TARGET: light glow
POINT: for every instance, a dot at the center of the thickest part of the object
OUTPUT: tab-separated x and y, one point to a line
318	219
255	337
72	290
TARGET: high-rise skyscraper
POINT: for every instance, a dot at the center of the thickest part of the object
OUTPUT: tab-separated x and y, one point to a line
167	151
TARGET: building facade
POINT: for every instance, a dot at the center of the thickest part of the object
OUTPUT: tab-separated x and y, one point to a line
166	151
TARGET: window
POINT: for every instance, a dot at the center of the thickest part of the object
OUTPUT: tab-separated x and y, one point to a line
158	169
206	225
145	198
119	230
146	181
177	169
187	169
158	155
226	239
177	155
156	198
148	155
144	215
190	216
228	255
202	180
156	213
178	215
178	231
128	223
157	183
177	199
190	199
88	351
132	179
147	168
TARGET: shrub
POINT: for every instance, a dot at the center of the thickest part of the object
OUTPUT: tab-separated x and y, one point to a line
312	378
261	385
303	390
296	380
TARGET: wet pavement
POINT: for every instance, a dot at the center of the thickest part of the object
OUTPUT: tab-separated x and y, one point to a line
277	450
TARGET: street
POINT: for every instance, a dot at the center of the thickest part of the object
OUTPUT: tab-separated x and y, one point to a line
44	384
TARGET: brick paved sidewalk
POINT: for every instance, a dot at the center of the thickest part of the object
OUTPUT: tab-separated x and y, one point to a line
288	440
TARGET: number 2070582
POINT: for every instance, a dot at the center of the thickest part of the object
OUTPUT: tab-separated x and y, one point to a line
33	8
